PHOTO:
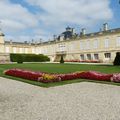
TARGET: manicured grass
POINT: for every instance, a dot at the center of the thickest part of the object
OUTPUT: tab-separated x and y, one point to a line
60	68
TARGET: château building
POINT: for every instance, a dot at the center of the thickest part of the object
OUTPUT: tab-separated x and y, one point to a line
99	46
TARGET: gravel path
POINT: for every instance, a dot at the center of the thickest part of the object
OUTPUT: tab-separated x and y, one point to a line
81	101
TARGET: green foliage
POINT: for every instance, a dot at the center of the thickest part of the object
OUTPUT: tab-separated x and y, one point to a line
58	68
62	60
20	59
28	58
117	59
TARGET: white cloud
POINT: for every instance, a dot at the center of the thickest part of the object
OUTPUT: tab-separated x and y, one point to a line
15	17
81	12
28	38
18	21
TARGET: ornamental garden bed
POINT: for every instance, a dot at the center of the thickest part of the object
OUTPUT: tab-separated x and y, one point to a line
45	77
84	61
60	69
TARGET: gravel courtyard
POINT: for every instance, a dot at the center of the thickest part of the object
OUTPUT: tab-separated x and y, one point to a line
80	101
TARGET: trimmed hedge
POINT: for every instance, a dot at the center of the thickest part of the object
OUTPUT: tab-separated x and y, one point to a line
19	58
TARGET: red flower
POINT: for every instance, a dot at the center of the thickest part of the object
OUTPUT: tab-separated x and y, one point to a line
46	78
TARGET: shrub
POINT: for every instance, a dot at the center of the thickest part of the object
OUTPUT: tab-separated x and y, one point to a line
117	59
62	60
28	58
20	59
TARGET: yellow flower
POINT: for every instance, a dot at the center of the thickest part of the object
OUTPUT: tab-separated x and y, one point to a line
48	77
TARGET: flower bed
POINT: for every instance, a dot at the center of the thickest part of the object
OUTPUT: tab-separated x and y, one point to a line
25	74
47	78
115	77
85	61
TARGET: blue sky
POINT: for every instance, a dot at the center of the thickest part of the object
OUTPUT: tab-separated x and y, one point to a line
35	19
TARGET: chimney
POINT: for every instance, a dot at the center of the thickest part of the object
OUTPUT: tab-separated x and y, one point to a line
105	26
83	31
54	37
35	42
40	41
25	42
29	43
32	41
73	31
10	41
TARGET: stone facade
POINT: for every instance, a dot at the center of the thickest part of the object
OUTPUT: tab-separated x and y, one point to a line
99	46
4	57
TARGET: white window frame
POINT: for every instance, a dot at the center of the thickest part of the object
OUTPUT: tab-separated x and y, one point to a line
7	49
20	50
107	55
95	44
82	57
14	50
82	46
33	50
61	47
106	43
89	57
26	50
38	51
71	46
96	56
118	41
87	45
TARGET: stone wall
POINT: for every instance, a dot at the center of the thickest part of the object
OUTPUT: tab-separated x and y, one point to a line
4	58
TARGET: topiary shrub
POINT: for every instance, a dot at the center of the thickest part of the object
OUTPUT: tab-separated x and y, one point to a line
117	59
61	60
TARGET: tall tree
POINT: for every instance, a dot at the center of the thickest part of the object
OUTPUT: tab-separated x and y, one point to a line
117	59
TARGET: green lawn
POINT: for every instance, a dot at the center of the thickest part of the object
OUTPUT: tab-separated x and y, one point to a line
60	68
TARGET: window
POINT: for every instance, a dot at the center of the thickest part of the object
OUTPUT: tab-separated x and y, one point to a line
45	50
14	50
107	55
26	50
33	50
96	56
7	49
106	42
81	45
72	46
61	47
82	57
38	51
42	51
87	45
21	50
118	41
95	44
89	56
